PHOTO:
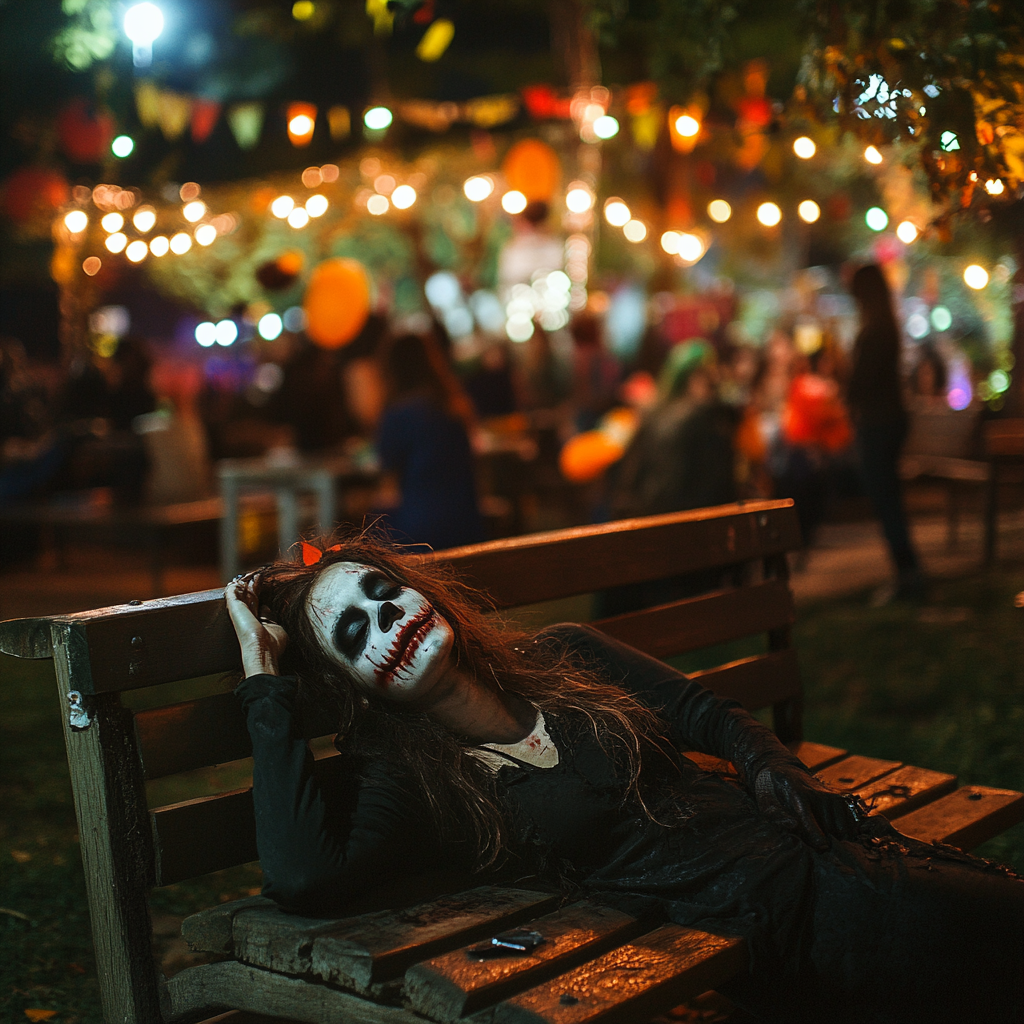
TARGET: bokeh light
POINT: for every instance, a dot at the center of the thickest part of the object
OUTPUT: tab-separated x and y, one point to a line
513	202
270	326
942	319
606	127
809	211
635	231
804	147
159	246
377	205
144	219
617	213
403	197
300	125
137	251
579	198
112	222
122	146
298	218
377	118
206	234
975	277
691	247
206	333
193	211
876	218
872	155
769	214
316	206
76	221
117	241
227	332
670	242
282	206
917	325
995	187
92	265
719	211
906	231
687	126
478	188
303	10
181	243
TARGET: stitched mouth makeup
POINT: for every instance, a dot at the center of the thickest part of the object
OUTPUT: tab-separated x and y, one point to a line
404	647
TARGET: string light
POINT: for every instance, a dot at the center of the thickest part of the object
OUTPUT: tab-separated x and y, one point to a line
403	197
719	211
112	222
206	333
804	147
876	218
76	221
144	219
377	118
226	332
906	232
616	212
181	243
282	206
687	126
377	205
872	155
206	234
975	277
691	247
579	198
635	231
270	326
670	242
994	187
809	211
298	218
159	246
316	206
478	188
513	202
137	251
769	214
91	265
606	127
193	211
117	241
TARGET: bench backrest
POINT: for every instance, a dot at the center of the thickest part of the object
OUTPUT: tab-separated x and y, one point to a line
128	848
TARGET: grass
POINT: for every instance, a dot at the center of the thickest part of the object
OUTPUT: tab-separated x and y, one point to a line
943	689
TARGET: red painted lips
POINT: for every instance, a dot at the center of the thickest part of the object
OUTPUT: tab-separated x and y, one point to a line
404	646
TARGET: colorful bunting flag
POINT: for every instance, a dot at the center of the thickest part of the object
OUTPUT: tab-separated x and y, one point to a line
246	123
173	113
204	118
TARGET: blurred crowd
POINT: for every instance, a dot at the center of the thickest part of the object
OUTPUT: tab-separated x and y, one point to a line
478	439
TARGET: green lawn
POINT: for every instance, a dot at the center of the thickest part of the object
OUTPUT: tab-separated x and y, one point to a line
943	688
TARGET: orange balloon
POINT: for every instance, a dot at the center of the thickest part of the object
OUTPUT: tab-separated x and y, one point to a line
533	168
586	456
337	302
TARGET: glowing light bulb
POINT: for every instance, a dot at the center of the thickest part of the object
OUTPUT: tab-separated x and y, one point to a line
942	319
282	206
316	206
670	242
301	124
270	326
112	222
478	188
205	234
579	198
617	213
227	332
143	24
513	202
378	118
91	265
691	247
76	221
117	241
303	10
181	243
876	218
605	127
159	246
144	219
975	277
206	333
995	187
377	205
906	232
298	218
872	155
635	231
193	211
137	251
122	146
809	211
403	197
687	126
804	147
769	214
719	211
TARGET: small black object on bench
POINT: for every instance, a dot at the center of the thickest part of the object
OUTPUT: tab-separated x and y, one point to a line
402	957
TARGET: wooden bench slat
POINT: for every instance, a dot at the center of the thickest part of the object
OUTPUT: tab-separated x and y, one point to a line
756	682
546	566
200	733
630	983
704	621
849	774
905	789
240	986
455	984
965	818
816	755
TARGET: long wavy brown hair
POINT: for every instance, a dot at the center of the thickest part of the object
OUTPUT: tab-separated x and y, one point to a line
451	782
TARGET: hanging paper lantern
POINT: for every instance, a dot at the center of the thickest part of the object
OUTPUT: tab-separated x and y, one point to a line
204	118
586	456
533	168
301	122
34	192
337	302
85	132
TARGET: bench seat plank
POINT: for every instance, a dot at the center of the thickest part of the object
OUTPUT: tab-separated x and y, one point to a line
849	774
243	987
659	969
904	790
454	984
816	755
965	818
362	951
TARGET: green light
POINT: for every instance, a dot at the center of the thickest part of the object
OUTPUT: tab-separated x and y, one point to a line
122	146
876	218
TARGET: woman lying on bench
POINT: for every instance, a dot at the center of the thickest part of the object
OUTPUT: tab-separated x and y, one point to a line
556	755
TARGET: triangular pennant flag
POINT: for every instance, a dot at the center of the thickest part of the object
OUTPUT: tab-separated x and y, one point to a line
246	123
204	118
147	104
173	111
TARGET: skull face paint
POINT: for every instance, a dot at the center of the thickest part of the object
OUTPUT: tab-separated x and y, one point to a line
389	636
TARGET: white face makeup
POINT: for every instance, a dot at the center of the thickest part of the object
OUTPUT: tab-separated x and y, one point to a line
387	635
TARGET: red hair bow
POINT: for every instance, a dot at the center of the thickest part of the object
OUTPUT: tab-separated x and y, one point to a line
311	555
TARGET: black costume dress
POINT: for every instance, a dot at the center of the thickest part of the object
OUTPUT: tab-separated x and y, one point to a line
881	928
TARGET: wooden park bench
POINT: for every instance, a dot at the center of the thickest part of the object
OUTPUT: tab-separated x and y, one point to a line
401	956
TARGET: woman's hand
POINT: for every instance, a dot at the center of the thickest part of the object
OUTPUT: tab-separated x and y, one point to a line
817	811
262	641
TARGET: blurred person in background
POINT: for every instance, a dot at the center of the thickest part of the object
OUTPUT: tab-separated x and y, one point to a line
595	372
874	396
423	444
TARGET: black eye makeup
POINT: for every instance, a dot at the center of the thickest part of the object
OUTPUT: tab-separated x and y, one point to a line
379	587
353	625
